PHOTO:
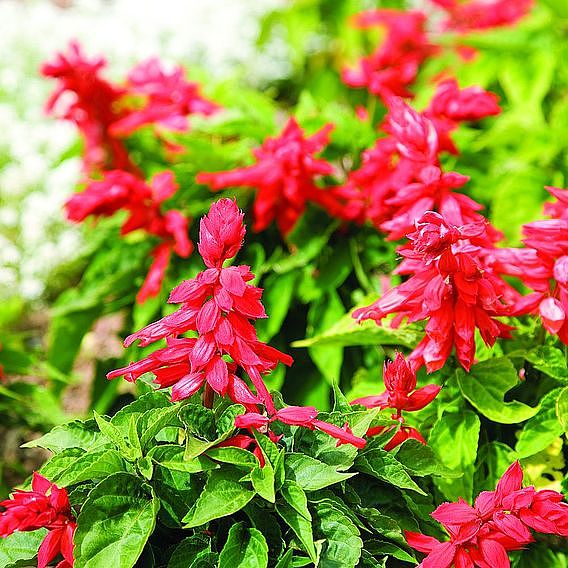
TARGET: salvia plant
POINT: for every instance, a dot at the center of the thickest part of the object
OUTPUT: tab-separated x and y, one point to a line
404	191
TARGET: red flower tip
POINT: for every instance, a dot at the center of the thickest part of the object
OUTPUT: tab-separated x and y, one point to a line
221	233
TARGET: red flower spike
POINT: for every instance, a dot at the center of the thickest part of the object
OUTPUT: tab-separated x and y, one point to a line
499	522
168	99
91	106
452	286
219	304
45	506
392	68
283	175
482	14
121	190
558	209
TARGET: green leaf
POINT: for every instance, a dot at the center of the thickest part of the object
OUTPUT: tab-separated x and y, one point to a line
550	361
421	461
20	546
222	495
562	408
233	455
148	401
263	481
454	438
485	388
152	421
542	429
115	435
74	465
311	474
245	548
171	456
384	466
348	332
74	434
342	546
115	522
193	552
294	510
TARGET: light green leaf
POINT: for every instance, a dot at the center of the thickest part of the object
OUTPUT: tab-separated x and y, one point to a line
384	466
172	457
485	388
455	438
562	408
115	522
74	434
311	474
223	495
20	546
245	548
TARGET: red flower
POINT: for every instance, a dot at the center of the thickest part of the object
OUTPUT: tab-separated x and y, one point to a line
120	190
483	14
45	506
394	65
284	175
168	99
400	394
305	416
499	522
542	266
452	105
85	98
219	304
451	287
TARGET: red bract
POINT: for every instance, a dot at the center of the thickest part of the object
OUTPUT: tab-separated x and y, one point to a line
542	266
45	506
120	190
394	65
401	394
168	99
451	287
219	303
469	15
284	175
500	521
450	106
85	98
305	416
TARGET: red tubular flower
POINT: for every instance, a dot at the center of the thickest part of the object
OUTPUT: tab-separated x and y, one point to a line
284	175
473	15
220	305
394	65
452	105
500	521
86	99
45	506
120	190
558	209
401	394
168	99
451	287
543	266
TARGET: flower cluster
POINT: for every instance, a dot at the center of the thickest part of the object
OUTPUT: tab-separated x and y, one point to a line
401	177
452	287
220	305
104	113
482	14
119	190
45	506
392	68
394	65
401	394
543	266
500	521
283	175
